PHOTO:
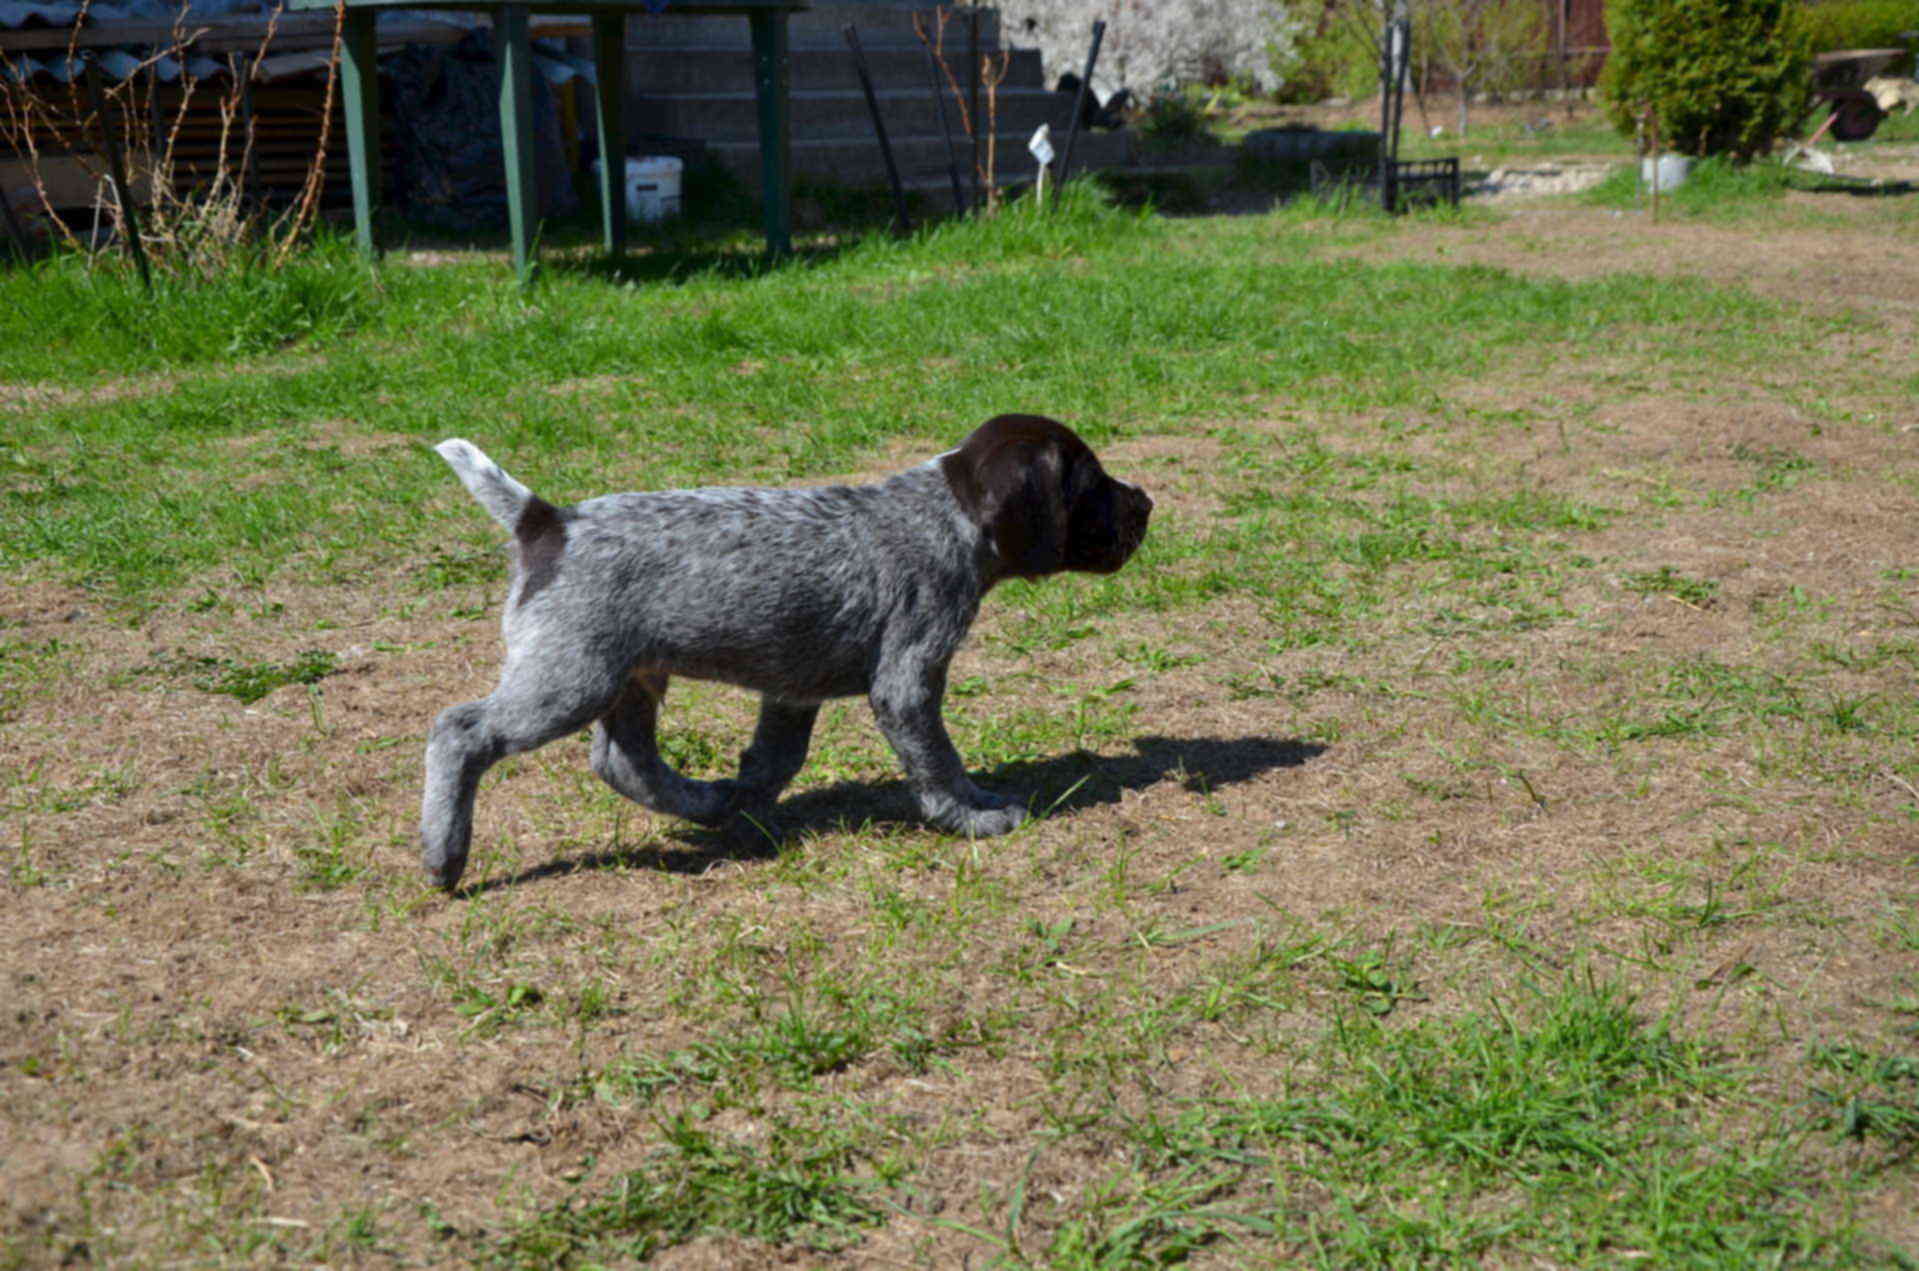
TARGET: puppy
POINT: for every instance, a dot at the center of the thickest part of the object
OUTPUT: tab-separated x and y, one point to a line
799	595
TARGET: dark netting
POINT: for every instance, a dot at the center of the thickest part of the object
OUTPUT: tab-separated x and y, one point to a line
444	109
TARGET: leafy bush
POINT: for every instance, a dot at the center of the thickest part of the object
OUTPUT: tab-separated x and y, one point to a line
1861	24
1720	77
1172	119
1335	61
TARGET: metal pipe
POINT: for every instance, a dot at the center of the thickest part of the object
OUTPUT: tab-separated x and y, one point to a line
903	223
1079	101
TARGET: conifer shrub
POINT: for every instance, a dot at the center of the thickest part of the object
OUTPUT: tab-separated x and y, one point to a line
1719	77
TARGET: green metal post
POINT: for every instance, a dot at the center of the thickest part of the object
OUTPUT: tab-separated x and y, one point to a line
516	131
360	85
609	66
771	70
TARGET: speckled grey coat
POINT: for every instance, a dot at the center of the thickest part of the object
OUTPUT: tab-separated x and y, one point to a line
799	595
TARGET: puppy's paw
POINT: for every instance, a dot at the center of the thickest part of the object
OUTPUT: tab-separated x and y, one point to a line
991	816
710	804
754	829
443	873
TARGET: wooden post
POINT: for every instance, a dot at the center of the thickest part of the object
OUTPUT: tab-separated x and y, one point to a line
771	70
609	66
360	87
972	91
516	131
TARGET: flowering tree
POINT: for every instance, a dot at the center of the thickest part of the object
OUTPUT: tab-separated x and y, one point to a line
1155	44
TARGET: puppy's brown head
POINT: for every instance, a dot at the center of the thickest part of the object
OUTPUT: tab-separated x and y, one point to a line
1040	496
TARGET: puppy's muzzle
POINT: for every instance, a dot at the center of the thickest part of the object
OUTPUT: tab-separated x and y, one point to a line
1135	507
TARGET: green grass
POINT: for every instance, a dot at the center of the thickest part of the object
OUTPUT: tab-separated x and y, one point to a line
792	1190
1110	319
1566	1127
1418	605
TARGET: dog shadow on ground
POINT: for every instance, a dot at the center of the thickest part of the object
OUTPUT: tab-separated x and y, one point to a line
1054	787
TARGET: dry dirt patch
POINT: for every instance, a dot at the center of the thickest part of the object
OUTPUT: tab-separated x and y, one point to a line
1868	269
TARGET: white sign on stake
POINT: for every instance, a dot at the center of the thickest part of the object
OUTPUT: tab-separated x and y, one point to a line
1041	148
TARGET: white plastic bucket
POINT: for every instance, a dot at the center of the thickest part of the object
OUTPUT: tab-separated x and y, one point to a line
1668	172
653	187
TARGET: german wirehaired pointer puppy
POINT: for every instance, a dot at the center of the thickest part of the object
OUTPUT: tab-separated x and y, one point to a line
800	595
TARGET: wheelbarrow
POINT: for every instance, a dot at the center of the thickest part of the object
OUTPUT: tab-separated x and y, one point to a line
1838	81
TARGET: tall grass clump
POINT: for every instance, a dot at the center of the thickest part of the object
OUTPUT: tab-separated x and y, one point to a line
70	313
1716	187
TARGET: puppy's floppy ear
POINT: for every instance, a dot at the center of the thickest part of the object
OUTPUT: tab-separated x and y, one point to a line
1010	477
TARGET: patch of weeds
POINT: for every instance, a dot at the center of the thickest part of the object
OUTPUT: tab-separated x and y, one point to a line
21	870
1703	697
1900	927
1564	1132
1879	1100
1157	658
111	786
488	1005
1129	1222
1667	581
27	662
1251	684
1378	983
794	1189
462	567
325	861
250	681
1778	468
691	751
812	1035
1243	861
1045	946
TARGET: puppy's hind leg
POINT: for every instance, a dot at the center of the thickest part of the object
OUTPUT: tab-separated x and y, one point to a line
626	755
532	706
778	752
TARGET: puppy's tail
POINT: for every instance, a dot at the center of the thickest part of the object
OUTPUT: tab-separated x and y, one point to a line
504	498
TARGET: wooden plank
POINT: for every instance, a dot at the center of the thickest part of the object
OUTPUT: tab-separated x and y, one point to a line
516	131
609	65
360	85
772	68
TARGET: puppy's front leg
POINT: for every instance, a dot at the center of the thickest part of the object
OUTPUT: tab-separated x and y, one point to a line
906	697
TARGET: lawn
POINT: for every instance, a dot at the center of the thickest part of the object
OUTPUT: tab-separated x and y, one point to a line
1480	827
